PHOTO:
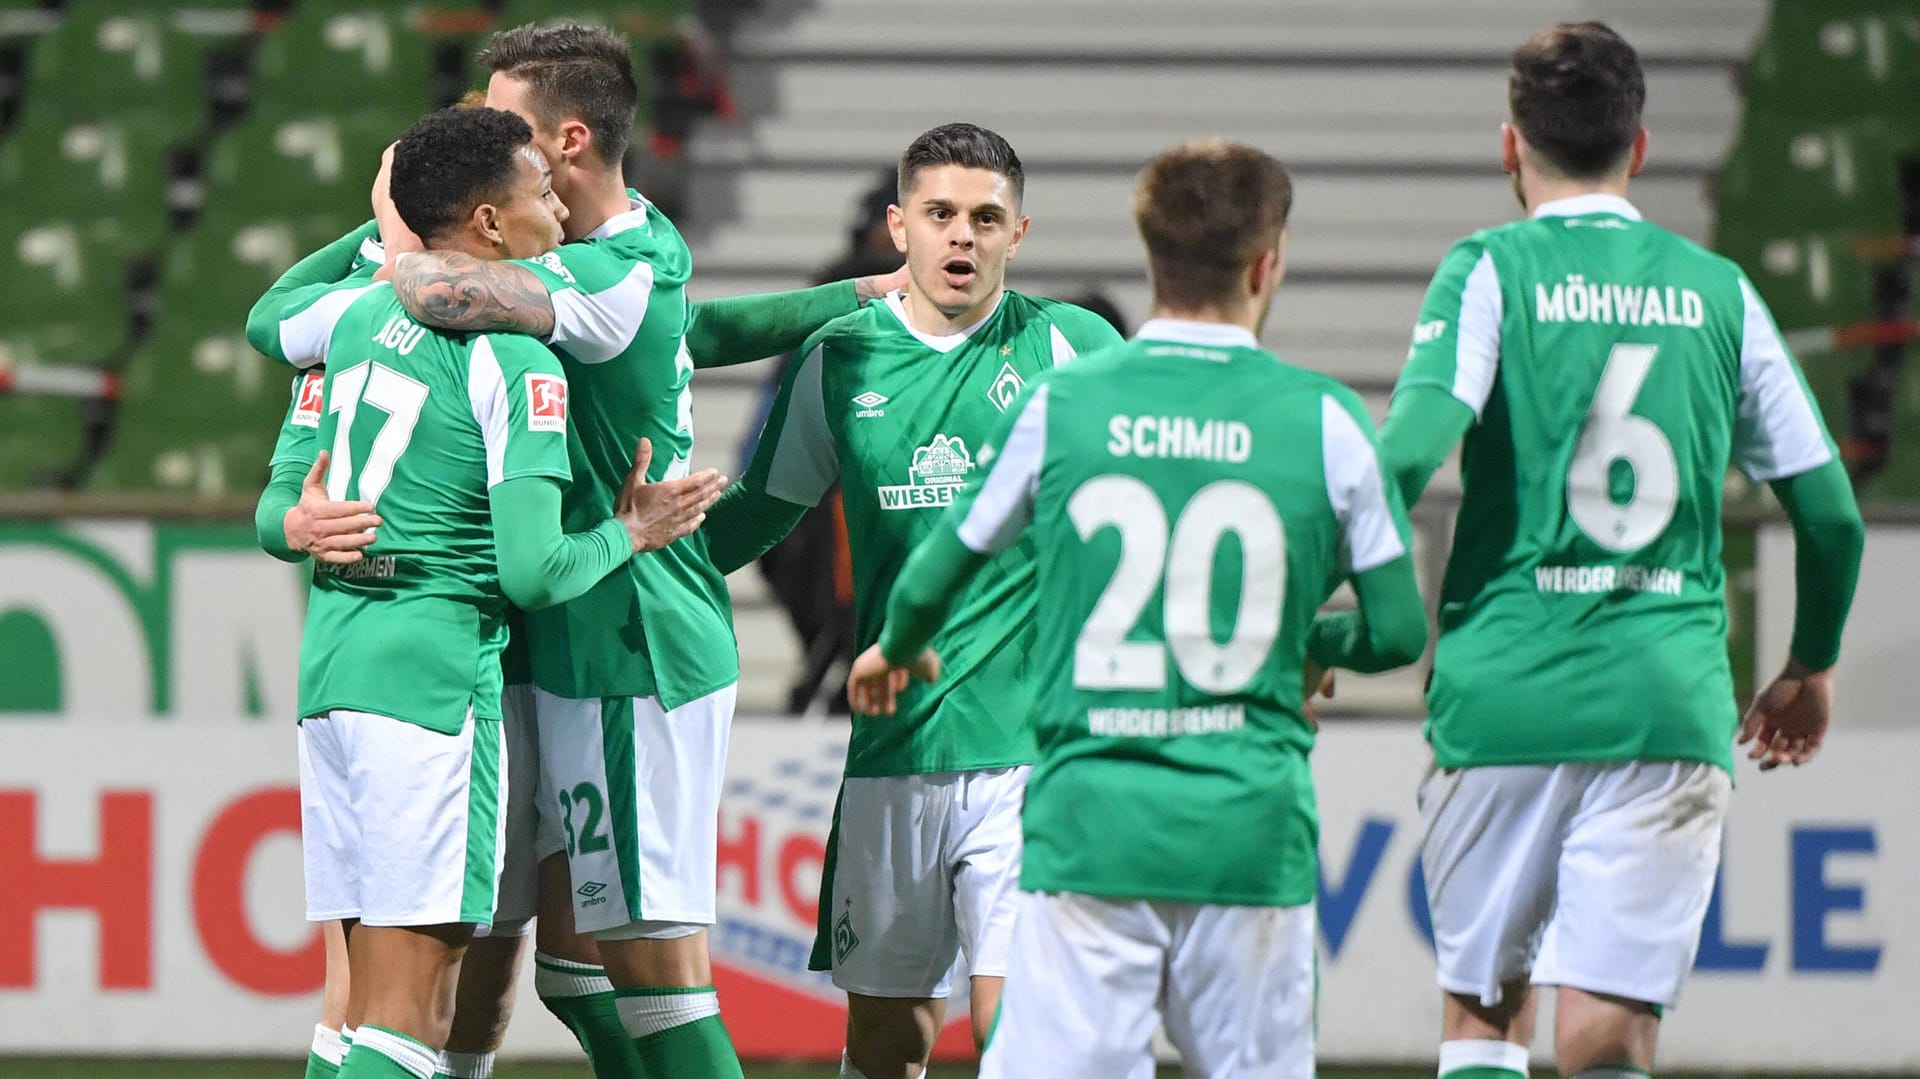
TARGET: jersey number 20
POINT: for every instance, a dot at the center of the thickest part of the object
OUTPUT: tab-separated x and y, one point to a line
1103	658
1613	433
393	393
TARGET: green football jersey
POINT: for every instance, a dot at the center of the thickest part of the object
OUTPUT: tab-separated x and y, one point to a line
663	628
1615	370
1193	500
422	424
896	416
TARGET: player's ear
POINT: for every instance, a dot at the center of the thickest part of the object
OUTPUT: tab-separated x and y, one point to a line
897	227
486	223
1019	233
1637	157
1509	149
575	138
1264	275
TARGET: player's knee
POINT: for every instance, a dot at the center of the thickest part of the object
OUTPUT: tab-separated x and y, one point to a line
886	1035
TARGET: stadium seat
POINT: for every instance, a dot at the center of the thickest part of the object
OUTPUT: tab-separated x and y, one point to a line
1791	175
1813	279
40	437
316	161
343	55
108	55
114	167
1862	56
66	300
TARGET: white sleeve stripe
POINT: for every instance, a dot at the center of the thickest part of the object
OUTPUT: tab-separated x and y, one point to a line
1779	433
1357	491
594	327
1063	352
487	391
1477	336
1004	506
805	461
304	337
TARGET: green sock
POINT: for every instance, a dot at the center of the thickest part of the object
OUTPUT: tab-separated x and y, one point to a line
323	1059
379	1053
581	997
1482	1059
679	1032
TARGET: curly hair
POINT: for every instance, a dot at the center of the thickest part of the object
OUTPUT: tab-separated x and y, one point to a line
451	161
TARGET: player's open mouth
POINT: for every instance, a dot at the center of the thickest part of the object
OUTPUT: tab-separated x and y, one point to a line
959	272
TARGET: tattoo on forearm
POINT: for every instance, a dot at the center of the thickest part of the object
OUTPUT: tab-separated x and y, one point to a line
456	291
867	288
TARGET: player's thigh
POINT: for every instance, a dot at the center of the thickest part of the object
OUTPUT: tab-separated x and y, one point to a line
887	918
984	849
428	809
1490	858
1083	986
638	793
329	832
1635	879
518	895
1240	989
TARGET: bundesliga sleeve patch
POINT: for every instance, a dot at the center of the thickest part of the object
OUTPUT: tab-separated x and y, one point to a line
306	411
546	403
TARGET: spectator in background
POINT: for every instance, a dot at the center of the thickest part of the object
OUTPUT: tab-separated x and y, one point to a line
810	572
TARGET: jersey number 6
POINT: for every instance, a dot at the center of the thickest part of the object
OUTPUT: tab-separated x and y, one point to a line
1613	433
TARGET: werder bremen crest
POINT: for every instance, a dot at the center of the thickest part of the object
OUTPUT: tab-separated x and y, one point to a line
938	472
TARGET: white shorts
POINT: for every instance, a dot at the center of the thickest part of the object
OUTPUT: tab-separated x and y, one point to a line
920	868
514	906
1593	876
401	825
637	793
1092	978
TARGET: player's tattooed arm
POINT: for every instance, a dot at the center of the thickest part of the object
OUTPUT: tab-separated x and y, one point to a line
455	291
874	286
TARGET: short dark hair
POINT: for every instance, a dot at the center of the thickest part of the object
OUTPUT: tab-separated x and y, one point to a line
1575	91
573	71
451	161
1206	210
967	145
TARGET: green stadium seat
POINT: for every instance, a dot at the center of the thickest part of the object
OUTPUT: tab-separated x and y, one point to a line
39	438
1809	280
106	167
317	161
1790	175
108	55
235	400
1831	59
66	300
342	55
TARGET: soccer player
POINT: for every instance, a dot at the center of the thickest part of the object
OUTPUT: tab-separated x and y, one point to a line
1193	499
462	444
636	678
893	402
1604	373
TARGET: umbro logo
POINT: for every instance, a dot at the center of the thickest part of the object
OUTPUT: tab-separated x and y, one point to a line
870	403
591	889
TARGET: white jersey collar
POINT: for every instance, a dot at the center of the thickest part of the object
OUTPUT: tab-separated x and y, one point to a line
942	343
634	218
1582	205
1189	332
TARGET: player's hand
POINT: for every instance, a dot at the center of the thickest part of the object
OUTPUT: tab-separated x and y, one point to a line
395	237
874	685
1788	720
656	514
874	286
1318	681
328	531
